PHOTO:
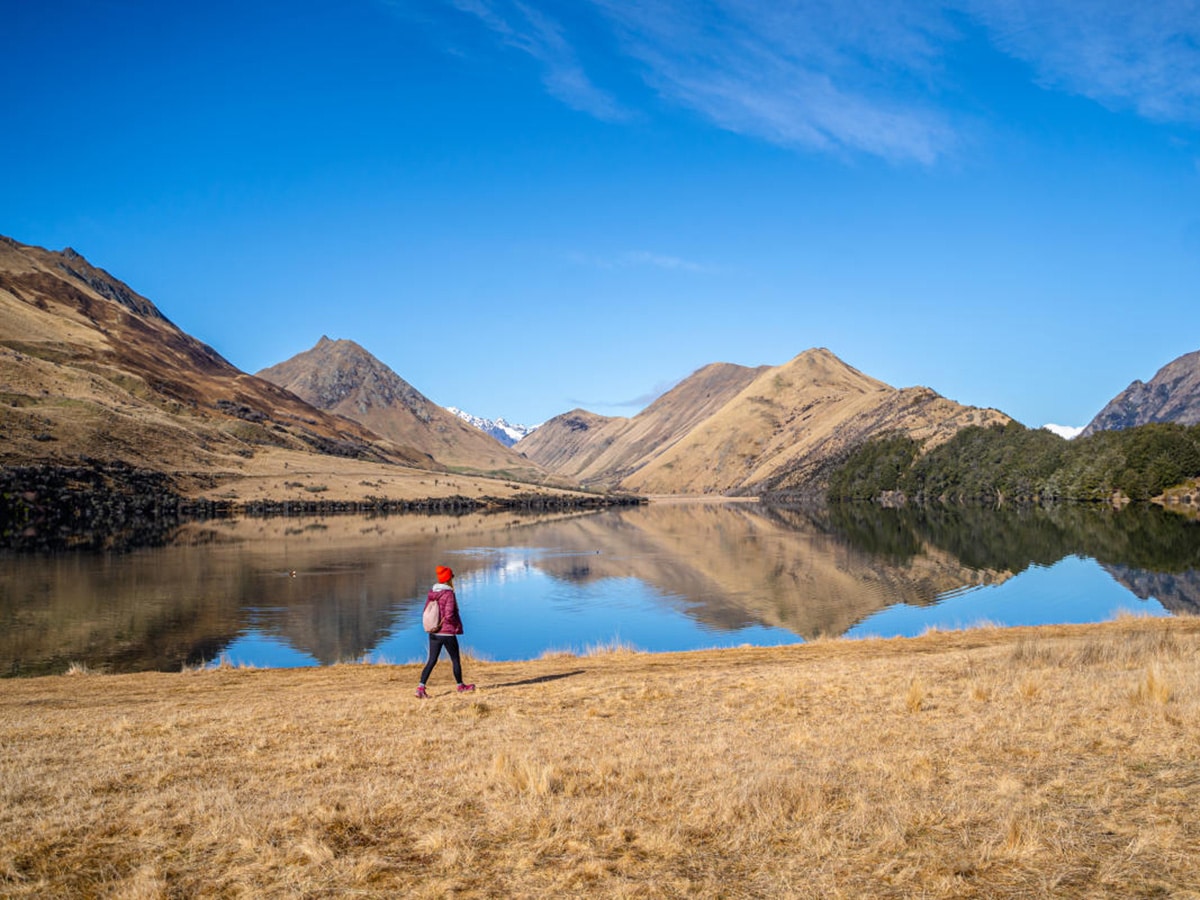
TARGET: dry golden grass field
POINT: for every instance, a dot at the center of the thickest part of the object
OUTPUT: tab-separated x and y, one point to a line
1032	762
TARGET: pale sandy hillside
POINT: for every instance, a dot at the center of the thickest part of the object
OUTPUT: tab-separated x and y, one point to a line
791	423
567	444
603	451
667	420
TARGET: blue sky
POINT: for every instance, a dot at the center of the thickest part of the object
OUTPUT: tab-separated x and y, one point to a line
523	207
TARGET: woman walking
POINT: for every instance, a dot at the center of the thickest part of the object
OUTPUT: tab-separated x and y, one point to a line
447	632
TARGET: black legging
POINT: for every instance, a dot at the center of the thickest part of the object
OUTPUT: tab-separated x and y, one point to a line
436	643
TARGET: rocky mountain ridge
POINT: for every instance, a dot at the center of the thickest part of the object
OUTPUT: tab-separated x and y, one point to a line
1172	395
341	377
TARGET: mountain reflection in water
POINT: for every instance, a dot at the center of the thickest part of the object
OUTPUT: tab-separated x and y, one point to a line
661	577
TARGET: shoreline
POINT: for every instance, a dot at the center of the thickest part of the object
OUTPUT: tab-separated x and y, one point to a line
969	636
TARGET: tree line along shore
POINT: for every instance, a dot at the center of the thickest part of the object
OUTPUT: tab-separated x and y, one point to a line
1014	463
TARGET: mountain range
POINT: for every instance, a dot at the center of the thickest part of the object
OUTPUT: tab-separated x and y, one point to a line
734	430
92	371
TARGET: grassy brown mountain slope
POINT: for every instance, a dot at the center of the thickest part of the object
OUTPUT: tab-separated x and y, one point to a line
792	423
607	451
341	377
568	443
90	369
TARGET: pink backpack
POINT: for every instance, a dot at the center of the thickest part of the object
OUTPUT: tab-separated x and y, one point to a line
431	619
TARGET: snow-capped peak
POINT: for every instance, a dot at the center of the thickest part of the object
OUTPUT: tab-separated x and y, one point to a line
502	430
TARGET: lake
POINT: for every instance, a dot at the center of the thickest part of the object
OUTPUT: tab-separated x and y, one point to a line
274	592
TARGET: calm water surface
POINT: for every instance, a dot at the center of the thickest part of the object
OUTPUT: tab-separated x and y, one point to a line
671	576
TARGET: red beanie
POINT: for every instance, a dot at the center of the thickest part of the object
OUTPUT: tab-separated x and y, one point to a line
444	574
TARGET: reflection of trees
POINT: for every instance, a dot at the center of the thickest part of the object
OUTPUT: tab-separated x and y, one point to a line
1008	538
1145	537
866	526
136	613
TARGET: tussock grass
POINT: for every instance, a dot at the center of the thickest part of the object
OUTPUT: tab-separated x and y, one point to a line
915	698
612	647
1153	687
1000	763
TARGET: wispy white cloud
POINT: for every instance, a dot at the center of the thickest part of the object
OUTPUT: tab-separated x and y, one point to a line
1065	431
813	75
635	258
661	261
528	30
638	402
818	75
864	78
1143	57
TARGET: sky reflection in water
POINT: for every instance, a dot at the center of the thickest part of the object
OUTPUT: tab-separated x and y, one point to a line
1074	590
511	610
526	613
658	578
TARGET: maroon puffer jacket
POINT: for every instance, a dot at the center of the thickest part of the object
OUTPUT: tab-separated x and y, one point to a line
448	604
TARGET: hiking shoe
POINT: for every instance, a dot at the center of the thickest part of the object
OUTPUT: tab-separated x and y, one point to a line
463	688
421	692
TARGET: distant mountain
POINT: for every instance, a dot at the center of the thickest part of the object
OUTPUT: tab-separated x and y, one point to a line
605	450
341	377
503	431
732	430
1172	395
92	370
